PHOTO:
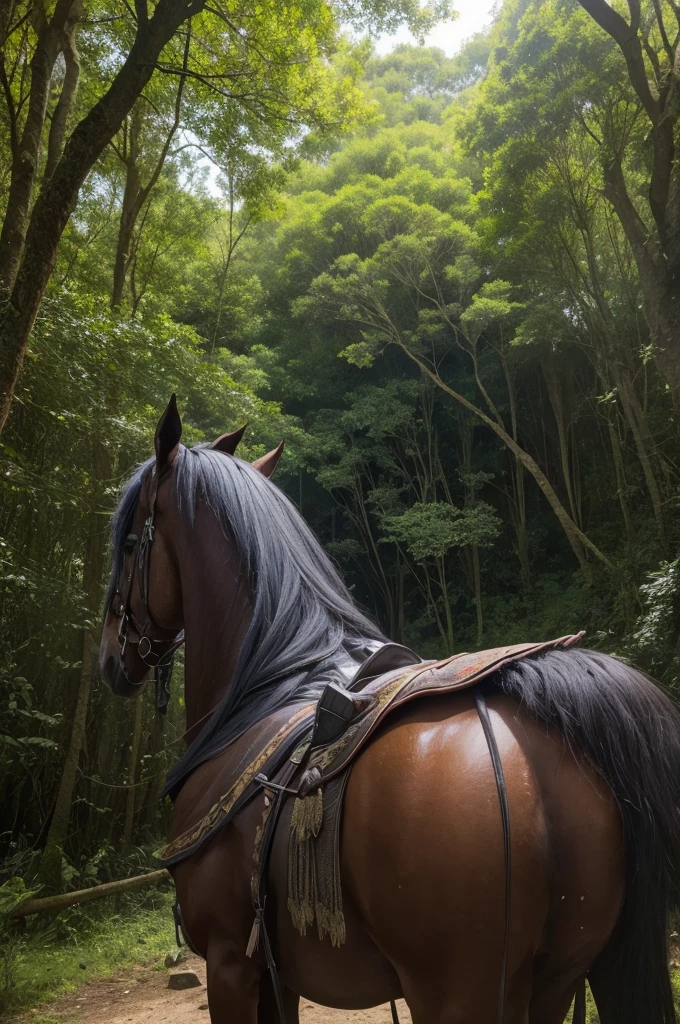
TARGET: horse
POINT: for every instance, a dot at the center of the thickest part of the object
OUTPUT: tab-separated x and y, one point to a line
207	550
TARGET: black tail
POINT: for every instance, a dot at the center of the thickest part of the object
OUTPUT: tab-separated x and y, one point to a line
629	729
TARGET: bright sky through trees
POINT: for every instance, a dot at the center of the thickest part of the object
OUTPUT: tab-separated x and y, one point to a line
473	16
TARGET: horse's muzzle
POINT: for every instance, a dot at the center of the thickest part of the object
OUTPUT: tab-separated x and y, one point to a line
116	678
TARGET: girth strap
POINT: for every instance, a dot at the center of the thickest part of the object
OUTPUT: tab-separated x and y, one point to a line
484	718
579	1014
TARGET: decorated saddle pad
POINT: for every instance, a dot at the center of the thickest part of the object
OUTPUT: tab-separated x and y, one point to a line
285	747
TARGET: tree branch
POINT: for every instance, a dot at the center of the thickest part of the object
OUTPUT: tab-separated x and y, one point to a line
11	110
670	50
69	88
628	41
650	264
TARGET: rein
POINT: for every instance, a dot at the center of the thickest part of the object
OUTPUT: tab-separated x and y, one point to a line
171	640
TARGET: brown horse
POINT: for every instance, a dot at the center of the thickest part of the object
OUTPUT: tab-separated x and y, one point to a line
206	548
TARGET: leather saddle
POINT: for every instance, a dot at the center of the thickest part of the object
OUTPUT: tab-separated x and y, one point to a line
303	746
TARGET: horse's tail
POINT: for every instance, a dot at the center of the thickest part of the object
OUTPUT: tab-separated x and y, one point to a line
629	729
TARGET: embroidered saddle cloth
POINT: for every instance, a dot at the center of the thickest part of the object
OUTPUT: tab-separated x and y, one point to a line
309	747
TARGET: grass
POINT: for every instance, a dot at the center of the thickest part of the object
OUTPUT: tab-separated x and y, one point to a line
57	955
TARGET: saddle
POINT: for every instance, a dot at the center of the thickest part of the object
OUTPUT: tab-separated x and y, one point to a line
307	749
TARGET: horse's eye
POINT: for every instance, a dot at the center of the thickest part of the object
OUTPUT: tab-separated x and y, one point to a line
130	543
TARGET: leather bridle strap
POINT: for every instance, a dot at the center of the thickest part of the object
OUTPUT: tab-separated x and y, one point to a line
162	663
484	718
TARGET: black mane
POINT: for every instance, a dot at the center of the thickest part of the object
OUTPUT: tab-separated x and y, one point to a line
303	615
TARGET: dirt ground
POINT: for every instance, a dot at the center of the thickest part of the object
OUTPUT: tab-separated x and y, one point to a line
142	996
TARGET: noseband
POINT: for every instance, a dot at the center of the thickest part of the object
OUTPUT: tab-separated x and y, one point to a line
149	634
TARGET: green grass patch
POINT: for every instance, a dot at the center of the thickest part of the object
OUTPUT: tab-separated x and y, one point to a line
44	959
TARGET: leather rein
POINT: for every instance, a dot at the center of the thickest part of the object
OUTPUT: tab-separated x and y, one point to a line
147	636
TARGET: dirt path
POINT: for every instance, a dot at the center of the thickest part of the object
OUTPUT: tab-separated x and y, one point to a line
142	996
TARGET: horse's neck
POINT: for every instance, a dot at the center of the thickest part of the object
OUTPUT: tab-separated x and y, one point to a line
217	613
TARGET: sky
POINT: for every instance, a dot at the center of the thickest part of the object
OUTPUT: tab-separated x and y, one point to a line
473	15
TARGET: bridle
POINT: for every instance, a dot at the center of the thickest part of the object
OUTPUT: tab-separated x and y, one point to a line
149	635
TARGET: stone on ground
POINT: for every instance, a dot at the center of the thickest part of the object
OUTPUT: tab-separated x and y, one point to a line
182	980
176	956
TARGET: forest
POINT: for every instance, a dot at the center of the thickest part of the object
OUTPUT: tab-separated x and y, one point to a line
452	284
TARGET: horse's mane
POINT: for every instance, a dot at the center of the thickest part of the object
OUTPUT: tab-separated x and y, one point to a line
303	614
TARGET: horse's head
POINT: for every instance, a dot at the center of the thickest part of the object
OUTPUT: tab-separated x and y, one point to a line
144	614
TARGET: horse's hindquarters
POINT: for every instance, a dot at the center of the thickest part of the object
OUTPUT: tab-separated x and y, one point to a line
423	864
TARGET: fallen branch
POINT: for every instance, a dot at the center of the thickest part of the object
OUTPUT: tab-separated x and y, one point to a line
53	904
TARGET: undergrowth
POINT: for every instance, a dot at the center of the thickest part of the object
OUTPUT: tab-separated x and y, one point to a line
45	958
57	955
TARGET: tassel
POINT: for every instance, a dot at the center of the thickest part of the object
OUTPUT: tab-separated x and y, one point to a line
332	924
301	883
307	817
305	825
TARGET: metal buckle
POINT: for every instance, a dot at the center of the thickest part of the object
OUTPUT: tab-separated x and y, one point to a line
145	652
147	535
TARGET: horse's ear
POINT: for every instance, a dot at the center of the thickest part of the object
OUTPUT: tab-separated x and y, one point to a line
168	434
228	443
267	464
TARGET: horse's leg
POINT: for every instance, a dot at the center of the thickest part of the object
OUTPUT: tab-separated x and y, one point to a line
233	986
471	999
551	1000
267	1010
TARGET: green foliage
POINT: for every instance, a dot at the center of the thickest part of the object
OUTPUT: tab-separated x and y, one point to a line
431	530
656	640
58	954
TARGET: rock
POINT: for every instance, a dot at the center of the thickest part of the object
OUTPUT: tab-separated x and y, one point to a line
175	957
182	980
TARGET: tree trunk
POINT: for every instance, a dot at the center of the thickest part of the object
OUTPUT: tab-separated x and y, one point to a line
58	195
27	158
577	539
476	575
644	442
132	774
621	486
663	315
126	226
554	390
49	873
51	862
150	793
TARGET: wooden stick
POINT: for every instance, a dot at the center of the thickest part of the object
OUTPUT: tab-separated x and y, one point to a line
52	904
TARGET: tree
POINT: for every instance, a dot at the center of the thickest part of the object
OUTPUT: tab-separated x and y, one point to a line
424	252
650	44
274	78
